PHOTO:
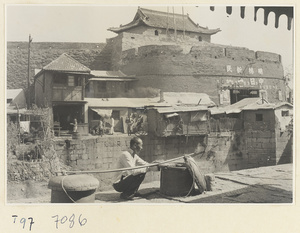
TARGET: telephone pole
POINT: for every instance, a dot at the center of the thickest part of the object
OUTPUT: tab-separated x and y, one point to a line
28	76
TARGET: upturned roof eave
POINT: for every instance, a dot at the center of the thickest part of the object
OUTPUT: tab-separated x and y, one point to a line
141	18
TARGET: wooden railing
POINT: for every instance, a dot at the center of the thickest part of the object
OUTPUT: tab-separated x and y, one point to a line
67	93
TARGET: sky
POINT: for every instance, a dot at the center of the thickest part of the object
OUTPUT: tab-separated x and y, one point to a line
89	23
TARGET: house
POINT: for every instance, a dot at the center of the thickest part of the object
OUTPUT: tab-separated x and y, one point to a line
266	129
269	132
60	85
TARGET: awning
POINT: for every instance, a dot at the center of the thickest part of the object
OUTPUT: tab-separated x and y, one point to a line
102	112
171	115
113	79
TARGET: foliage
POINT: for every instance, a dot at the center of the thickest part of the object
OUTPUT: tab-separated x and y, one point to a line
12	137
42	148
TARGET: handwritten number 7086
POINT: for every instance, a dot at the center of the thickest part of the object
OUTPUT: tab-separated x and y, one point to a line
71	221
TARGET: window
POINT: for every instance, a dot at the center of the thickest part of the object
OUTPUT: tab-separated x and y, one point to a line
96	116
259	117
200	38
71	81
126	86
102	86
60	79
156	32
116	114
285	113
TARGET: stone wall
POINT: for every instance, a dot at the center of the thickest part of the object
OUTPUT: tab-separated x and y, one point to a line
93	55
225	151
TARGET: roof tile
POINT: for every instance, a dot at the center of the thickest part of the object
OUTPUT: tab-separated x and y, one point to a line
65	63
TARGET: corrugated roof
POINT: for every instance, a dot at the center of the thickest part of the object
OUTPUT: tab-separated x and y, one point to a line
65	63
13	93
104	75
188	98
107	73
248	104
113	79
181	109
16	97
124	102
159	19
258	106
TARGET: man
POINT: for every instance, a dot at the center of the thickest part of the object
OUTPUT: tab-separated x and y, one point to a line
101	127
129	181
112	125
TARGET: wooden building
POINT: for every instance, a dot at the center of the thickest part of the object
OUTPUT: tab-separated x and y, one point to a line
60	86
178	120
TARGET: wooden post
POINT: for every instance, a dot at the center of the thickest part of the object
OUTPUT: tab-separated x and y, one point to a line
28	73
175	32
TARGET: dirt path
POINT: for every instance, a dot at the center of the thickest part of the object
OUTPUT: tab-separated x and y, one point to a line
272	184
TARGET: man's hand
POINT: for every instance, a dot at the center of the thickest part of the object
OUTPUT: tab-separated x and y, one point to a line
157	168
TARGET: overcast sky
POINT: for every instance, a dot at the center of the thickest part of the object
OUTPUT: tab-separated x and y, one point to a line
89	23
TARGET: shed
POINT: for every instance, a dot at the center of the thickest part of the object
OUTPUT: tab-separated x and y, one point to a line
178	120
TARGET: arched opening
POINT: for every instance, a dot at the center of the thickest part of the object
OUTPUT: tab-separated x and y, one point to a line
156	32
200	38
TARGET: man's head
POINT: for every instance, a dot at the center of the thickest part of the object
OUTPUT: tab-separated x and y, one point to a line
136	144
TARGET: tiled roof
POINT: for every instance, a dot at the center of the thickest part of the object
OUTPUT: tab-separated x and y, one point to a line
159	19
65	63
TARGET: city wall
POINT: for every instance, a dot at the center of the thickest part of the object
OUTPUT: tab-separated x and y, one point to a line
96	56
205	68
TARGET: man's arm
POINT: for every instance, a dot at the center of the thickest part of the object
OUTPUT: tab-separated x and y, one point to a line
127	161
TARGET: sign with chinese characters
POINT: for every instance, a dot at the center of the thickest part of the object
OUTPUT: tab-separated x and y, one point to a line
252	81
251	70
241	70
228	68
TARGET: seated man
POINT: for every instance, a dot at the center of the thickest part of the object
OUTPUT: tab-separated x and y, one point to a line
128	182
